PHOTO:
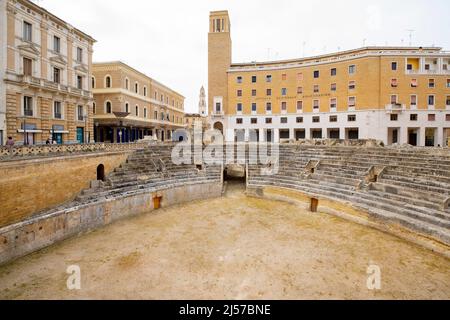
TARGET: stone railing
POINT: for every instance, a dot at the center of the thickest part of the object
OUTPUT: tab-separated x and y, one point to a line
57	150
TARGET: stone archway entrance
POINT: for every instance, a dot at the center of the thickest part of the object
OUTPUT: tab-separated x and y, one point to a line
101	172
218	126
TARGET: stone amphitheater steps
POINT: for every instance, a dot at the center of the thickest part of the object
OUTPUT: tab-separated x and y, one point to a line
411	188
371	205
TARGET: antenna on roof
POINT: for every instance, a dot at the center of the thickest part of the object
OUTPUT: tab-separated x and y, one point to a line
411	31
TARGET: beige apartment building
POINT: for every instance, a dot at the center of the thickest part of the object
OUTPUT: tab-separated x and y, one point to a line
129	105
393	94
45	70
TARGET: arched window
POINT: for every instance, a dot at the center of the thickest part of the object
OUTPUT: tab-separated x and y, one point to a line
137	111
127	84
145	112
93	108
127	108
136	87
93	83
108	107
145	91
108	82
156	115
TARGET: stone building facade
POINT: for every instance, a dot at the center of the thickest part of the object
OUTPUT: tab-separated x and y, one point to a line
45	69
129	105
393	94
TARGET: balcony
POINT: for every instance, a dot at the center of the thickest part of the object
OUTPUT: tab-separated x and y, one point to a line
395	108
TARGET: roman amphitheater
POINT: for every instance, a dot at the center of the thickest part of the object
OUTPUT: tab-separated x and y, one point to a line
149	229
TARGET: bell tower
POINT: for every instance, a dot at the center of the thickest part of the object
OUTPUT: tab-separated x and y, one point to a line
219	61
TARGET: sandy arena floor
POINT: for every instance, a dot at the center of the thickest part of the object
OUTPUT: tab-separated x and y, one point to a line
230	248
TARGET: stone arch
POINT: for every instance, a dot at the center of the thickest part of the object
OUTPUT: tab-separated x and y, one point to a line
101	172
218	126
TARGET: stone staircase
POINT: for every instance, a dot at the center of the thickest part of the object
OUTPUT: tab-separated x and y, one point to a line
412	187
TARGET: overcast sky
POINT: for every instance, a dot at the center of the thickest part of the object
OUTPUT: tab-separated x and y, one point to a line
167	39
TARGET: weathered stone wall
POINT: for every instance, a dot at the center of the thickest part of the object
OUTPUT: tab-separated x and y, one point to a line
30	186
26	237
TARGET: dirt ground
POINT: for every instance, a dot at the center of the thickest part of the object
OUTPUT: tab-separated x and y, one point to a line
230	248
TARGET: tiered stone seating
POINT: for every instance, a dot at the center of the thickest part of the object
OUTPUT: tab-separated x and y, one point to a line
151	168
412	188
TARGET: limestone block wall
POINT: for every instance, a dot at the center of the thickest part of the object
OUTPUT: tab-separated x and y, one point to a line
30	186
28	236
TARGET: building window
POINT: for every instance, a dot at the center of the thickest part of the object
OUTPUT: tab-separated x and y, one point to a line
394	66
94	109
254	120
239	80
127	85
239	93
108	107
351	118
351	102
253	107
155	114
268	120
56	44
254	93
316	119
283	91
333	72
316	74
394	117
284	76
299	105
283	106
136	88
431	117
414	100
316	104
80	82
427	67
284	120
239	121
27	67
431	83
351	85
447	101
431	100
127	108
137	111
253	79
108	82
299	76
333	103
27	106
413	83
447	117
145	92
56	75
269	92
299	120
393	99
268	106
93	82
269	78
79	55
394	83
316	88
413	117
333	118
239	107
409	67
352	69
57	112
80	113
27	31
333	87
448	83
